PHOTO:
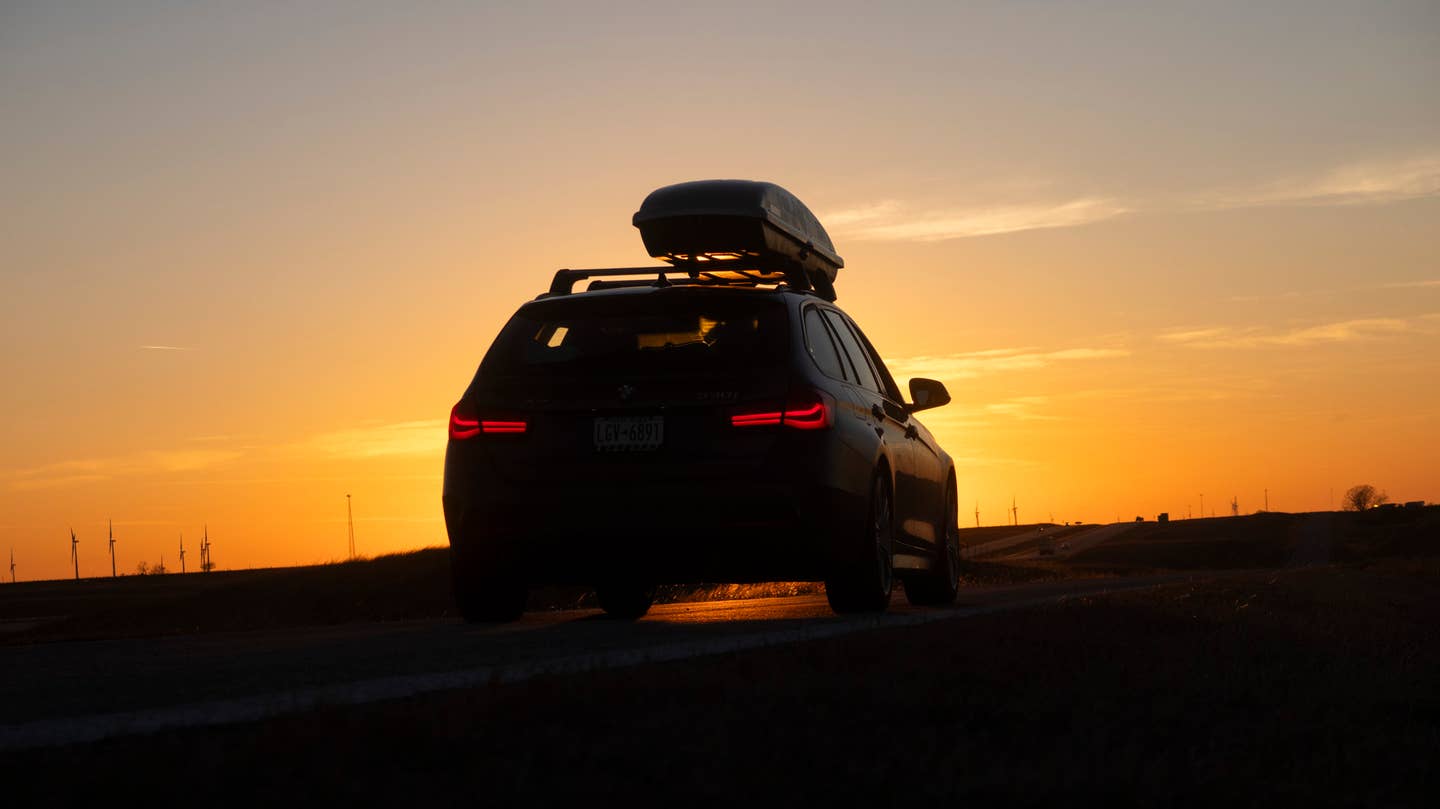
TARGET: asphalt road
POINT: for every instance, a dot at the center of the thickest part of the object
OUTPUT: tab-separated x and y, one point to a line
60	693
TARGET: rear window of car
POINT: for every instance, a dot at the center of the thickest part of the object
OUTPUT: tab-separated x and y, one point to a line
646	333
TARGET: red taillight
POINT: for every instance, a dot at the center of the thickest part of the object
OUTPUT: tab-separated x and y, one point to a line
465	424
757	419
814	417
810	410
515	426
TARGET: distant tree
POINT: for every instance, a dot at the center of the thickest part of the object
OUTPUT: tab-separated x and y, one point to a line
142	569
1364	496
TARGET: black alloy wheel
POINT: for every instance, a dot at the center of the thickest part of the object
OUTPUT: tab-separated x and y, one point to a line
939	585
625	601
865	583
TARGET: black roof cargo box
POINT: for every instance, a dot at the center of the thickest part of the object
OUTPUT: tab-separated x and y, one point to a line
754	223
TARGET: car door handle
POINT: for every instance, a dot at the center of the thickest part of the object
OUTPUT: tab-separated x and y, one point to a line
877	412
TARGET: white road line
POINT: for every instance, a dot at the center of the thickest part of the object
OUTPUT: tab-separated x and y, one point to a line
97	727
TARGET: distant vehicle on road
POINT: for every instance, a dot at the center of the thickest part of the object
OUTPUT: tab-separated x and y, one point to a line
719	419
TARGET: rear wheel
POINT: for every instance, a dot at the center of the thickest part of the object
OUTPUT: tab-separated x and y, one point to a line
940	584
486	593
625	601
862	582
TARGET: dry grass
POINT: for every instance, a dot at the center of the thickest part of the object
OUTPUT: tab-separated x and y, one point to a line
1223	543
1312	687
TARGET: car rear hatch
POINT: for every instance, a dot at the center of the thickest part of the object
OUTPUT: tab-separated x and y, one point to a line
626	388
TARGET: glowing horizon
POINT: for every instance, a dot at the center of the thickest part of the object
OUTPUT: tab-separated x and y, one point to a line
251	260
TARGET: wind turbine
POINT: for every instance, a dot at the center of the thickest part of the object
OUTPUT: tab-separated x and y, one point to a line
12	565
182	551
1014	510
112	548
205	560
75	553
977	513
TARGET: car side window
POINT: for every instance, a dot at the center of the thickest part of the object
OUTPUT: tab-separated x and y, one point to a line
887	382
822	346
854	351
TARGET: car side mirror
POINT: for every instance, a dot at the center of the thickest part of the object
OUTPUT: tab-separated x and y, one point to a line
925	394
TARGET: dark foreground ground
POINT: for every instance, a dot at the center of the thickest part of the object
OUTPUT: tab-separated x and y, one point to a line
1312	685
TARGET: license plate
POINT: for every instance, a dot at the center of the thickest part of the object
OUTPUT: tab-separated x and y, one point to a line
629	434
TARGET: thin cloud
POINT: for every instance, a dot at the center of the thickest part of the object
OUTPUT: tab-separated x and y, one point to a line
887	210
190	460
399	438
890	220
167	348
1345	331
1020	408
91	470
1368	183
997	360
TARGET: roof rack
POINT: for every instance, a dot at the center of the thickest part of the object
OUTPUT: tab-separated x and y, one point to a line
704	274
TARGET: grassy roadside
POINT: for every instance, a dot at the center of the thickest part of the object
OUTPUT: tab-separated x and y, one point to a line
1311	686
416	585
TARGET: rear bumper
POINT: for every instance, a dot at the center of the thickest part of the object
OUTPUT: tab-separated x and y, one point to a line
660	533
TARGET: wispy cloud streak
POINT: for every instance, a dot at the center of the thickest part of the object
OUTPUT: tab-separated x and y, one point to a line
1345	331
892	221
398	438
1371	182
1368	183
167	348
977	363
90	470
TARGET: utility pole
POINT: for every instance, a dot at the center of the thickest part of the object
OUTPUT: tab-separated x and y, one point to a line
111	529
350	521
75	553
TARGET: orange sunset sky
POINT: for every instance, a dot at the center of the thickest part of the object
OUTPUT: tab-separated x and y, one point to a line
250	254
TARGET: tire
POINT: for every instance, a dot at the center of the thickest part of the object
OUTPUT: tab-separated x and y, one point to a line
865	576
939	585
486	594
625	602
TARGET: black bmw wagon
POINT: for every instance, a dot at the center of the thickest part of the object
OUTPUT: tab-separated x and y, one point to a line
718	419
